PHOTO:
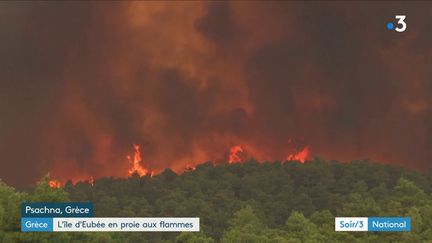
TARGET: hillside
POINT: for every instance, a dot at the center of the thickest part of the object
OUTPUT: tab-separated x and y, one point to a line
249	202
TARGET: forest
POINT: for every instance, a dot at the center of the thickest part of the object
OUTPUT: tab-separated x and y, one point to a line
243	202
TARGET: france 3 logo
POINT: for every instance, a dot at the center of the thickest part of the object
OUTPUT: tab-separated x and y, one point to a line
401	24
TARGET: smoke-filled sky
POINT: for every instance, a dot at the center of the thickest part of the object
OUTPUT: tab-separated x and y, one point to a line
81	82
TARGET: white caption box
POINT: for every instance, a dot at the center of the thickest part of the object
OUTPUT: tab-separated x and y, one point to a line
351	224
126	224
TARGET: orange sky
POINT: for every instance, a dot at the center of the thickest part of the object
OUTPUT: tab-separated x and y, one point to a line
82	82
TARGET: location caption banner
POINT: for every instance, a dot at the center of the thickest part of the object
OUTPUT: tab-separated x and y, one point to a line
56	209
79	217
110	224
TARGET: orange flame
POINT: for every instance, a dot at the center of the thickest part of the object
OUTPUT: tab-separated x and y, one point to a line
136	166
91	181
300	156
190	167
235	155
54	184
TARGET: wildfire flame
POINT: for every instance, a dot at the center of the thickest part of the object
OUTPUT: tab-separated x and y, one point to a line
136	161
190	167
54	184
301	156
91	181
235	155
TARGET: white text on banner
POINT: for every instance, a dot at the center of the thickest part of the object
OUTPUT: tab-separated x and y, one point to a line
126	224
351	224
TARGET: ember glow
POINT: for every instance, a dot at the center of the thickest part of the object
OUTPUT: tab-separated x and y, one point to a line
136	163
301	156
91	181
190	167
236	154
54	184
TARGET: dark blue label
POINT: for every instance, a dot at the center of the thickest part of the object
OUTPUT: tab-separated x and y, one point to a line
389	224
36	224
53	210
